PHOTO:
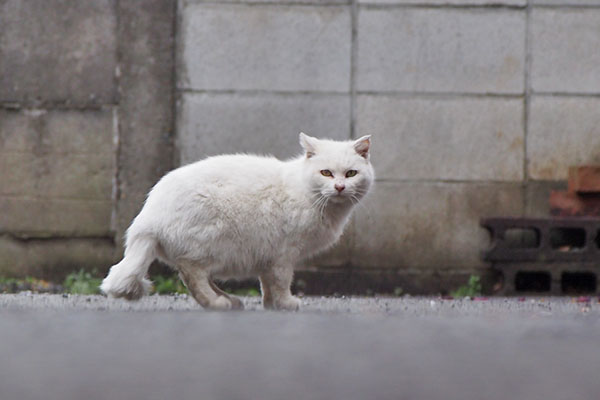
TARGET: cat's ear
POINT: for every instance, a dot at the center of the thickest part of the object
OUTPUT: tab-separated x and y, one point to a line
362	146
309	144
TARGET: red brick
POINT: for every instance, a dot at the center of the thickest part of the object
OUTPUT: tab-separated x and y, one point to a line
566	204
584	179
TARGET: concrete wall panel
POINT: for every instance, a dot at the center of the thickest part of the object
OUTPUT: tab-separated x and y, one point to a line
58	51
563	131
564	50
234	47
441	50
444	139
211	124
24	216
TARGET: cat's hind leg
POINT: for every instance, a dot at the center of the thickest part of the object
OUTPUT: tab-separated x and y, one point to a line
196	278
275	285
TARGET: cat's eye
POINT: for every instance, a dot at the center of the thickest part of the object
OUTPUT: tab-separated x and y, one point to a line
351	173
326	172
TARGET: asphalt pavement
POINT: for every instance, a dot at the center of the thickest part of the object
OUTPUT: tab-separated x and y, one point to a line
166	347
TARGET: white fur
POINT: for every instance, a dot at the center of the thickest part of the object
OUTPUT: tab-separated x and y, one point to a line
243	216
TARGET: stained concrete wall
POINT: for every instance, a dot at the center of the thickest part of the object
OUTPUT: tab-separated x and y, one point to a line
476	108
85	127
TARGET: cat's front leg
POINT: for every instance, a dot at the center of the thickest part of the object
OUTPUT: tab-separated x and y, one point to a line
275	284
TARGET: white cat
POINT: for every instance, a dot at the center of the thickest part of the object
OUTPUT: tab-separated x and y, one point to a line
243	216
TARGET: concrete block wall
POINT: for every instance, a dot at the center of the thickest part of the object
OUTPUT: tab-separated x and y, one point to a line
85	127
476	108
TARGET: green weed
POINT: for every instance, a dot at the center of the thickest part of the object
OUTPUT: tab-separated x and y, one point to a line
168	285
82	282
249	292
471	289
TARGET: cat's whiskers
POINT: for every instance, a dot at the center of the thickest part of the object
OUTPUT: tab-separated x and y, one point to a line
356	200
320	203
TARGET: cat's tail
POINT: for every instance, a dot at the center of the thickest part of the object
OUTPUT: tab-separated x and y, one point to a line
128	278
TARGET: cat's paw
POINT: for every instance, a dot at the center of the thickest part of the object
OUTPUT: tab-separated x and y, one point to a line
221	303
289	304
236	303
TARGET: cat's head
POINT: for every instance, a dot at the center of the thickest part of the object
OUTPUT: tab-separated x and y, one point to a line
339	171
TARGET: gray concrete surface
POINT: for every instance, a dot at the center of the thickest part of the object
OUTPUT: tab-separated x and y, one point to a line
349	348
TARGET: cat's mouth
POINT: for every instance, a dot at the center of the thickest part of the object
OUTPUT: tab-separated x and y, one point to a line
338	198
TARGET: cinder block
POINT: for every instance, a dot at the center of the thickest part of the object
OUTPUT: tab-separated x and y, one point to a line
57	154
210	124
47	217
584	179
441	50
564	50
264	47
449	2
58	51
445	138
429	225
563	131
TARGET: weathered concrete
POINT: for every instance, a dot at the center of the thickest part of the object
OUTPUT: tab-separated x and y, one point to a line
53	258
563	131
227	46
57	131
58	51
47	217
146	117
437	50
429	225
564	56
263	124
444	138
46	155
336	348
58	174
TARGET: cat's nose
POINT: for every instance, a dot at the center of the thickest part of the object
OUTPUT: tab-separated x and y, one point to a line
339	187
